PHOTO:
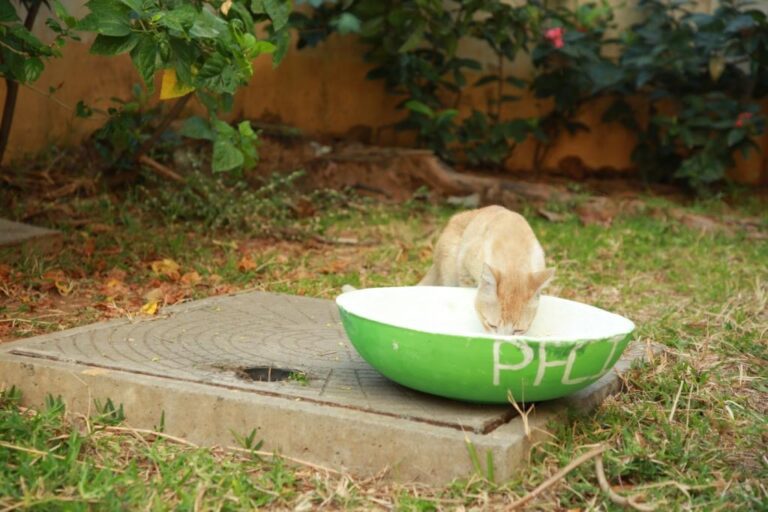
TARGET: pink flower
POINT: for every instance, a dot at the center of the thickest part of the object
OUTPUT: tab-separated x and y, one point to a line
743	119
555	36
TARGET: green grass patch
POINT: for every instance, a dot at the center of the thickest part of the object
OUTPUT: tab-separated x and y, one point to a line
689	429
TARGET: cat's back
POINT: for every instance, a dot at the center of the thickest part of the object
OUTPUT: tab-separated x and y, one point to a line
503	239
497	222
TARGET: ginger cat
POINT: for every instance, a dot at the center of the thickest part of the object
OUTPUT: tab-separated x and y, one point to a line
494	249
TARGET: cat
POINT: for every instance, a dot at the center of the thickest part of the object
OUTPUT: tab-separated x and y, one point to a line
494	249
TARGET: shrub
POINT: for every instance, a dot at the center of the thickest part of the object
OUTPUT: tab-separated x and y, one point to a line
696	75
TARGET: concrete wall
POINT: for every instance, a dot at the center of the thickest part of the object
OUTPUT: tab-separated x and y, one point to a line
321	90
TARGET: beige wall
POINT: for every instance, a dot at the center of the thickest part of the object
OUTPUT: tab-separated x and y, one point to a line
321	91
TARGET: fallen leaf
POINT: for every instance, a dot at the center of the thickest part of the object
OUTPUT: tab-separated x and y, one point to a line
150	308
334	267
114	287
88	248
166	267
155	294
303	208
597	210
64	288
226	6
191	278
246	263
54	275
98	227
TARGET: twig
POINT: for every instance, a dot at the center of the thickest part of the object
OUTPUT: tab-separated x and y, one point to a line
342	241
674	404
172	114
301	462
162	170
617	498
549	482
190	444
523	415
148	432
199	498
33	451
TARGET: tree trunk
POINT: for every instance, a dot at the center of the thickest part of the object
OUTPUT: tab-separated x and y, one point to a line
12	89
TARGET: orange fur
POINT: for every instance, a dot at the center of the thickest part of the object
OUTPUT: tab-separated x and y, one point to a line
496	250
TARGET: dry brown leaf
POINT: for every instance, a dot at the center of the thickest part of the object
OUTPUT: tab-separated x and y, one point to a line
246	263
64	287
98	227
191	278
88	248
226	6
597	210
166	267
155	294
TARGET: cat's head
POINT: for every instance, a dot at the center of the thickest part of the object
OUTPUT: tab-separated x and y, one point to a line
507	304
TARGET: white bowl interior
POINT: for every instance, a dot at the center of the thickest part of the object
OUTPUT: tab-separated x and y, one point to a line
450	310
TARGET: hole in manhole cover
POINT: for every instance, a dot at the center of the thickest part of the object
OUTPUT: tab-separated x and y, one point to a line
271	374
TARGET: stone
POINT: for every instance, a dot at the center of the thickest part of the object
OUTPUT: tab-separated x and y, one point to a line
281	365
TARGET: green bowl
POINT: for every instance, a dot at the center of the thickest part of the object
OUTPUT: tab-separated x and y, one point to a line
430	339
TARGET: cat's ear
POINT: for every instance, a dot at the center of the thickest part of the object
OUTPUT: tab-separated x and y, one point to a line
488	278
540	279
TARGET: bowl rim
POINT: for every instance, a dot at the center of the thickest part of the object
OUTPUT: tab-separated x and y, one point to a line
630	325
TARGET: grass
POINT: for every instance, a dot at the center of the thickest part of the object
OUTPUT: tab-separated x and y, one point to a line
689	430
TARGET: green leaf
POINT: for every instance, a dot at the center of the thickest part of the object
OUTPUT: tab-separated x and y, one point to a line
226	157
32	68
282	40
107	17
278	11
144	56
248	140
7	12
735	136
255	47
246	130
207	26
225	130
108	45
83	110
180	19
63	14
414	40
197	128
347	23
135	5
419	107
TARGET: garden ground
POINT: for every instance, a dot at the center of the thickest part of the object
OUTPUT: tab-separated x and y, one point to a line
689	429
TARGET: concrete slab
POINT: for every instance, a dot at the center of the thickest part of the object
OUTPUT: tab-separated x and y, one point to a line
15	234
282	365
